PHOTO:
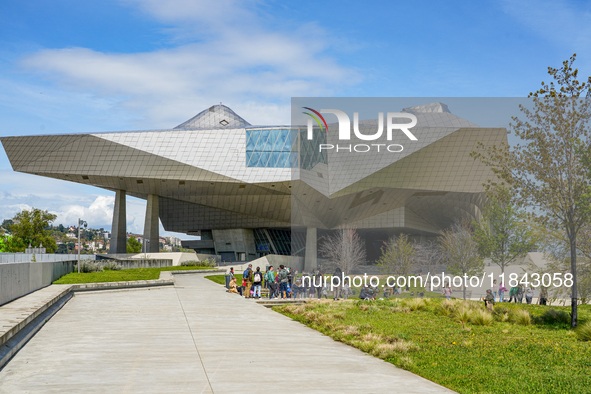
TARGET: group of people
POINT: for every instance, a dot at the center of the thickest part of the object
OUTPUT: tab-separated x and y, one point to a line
279	283
518	292
284	283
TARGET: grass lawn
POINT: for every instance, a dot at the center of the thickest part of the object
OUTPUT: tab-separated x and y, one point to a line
221	279
426	337
118	276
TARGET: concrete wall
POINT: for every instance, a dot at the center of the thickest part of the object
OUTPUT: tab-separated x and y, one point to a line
19	279
27	257
176	257
239	240
294	262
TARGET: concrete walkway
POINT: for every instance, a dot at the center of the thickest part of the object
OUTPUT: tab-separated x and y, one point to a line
192	338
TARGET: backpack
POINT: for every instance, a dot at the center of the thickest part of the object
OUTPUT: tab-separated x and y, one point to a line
282	275
257	277
245	273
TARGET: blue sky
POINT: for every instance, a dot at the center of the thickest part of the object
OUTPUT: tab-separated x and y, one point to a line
69	66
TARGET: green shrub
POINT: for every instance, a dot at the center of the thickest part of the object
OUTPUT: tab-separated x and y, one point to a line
416	304
480	317
583	332
442	310
87	265
462	315
520	316
500	313
111	266
196	263
553	316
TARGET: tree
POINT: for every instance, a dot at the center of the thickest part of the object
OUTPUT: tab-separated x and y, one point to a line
502	233
428	256
32	228
398	256
6	225
556	248
546	171
62	249
133	245
460	252
344	249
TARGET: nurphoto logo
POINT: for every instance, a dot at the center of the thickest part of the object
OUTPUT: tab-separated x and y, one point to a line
345	129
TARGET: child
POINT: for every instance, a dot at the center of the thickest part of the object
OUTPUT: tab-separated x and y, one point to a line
346	290
489	300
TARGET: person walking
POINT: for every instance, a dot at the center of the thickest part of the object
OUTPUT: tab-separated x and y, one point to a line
513	294
247	276
283	281
270	279
529	295
502	290
257	281
447	291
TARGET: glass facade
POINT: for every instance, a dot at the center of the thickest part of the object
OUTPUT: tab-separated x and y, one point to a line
273	241
279	148
310	154
275	148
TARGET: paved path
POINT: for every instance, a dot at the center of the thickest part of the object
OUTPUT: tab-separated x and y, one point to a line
192	338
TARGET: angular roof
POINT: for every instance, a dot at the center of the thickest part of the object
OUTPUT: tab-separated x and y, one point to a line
427	108
429	115
215	117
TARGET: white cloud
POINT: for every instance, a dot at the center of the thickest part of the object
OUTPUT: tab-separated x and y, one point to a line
100	211
232	58
222	51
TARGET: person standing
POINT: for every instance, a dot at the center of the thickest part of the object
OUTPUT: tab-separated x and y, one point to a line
346	289
319	285
337	289
520	292
543	296
495	289
247	276
270	279
502	290
257	281
283	281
